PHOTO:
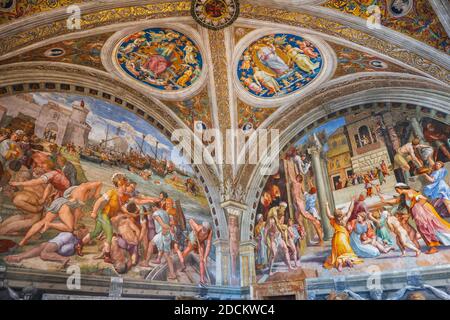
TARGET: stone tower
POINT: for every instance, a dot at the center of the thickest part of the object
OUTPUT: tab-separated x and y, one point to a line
78	130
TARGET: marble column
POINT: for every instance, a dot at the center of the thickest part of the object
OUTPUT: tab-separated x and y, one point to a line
417	129
326	179
222	262
322	192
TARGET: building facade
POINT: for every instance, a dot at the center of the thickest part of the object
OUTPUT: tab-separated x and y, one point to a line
50	121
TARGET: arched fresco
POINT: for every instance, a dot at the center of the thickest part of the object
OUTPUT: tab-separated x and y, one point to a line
82	182
383	177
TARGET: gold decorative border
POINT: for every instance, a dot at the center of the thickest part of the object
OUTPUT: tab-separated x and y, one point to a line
178	9
339	30
96	19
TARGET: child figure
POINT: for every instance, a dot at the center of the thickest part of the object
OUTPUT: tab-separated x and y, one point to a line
294	232
403	240
382	231
363	240
368	186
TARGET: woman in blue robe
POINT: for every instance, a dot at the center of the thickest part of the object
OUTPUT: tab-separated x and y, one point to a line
363	244
437	187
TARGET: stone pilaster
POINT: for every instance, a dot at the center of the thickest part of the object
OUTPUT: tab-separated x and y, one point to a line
222	262
247	263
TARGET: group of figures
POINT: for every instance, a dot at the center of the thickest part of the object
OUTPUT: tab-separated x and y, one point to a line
45	191
164	59
275	229
278	64
372	179
374	223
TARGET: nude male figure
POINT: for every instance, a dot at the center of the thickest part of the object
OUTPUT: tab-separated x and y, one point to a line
200	240
233	231
75	198
28	200
275	240
298	194
58	249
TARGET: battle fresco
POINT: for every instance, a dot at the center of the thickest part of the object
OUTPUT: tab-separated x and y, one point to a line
86	182
359	192
278	65
164	59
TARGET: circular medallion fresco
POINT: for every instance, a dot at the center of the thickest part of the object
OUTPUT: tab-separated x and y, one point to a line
215	14
277	65
162	58
399	8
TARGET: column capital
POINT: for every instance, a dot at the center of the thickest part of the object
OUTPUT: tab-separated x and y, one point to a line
314	150
221	243
234	207
250	244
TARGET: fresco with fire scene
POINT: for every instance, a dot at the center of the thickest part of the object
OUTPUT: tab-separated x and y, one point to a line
361	191
86	182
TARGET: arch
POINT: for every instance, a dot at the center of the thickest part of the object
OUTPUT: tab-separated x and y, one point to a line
51	131
66	78
339	98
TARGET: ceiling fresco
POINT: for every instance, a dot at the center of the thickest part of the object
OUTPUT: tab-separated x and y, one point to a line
252	117
164	59
14	9
415	18
278	65
191	111
352	61
83	51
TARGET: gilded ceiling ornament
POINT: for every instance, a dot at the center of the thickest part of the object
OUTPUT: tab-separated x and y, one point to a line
215	14
176	9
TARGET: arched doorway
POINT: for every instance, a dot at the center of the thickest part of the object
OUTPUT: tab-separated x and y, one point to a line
51	132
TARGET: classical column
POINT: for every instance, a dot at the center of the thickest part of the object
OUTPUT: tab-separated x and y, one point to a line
222	262
322	192
326	179
247	263
417	129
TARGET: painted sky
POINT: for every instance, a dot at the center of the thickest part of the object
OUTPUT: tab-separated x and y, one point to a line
104	114
329	128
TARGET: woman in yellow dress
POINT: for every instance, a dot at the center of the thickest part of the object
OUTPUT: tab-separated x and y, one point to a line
341	252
